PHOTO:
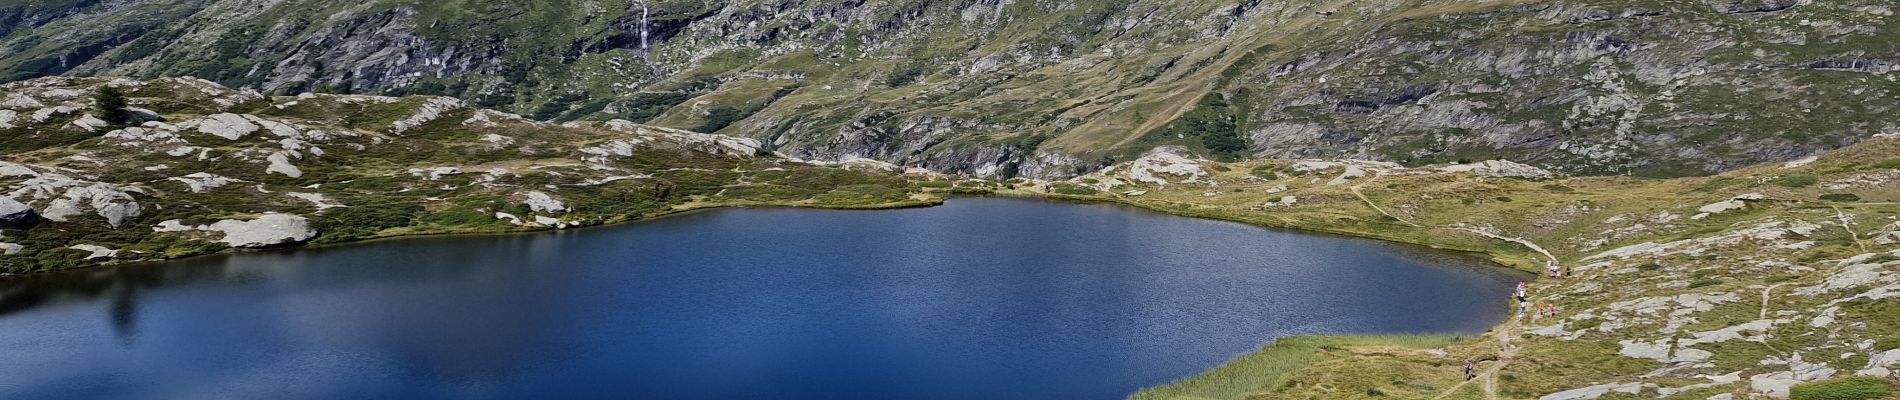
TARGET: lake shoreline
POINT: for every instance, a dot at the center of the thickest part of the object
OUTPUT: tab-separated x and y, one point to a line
1240	283
676	210
1278	348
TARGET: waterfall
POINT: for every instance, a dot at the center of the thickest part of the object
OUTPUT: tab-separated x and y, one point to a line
646	50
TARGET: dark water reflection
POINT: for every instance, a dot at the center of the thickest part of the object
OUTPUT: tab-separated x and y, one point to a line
980	298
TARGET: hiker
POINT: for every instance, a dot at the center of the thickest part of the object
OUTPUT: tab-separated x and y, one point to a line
1470	370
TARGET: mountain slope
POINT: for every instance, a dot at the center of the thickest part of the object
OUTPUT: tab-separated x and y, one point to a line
1061	88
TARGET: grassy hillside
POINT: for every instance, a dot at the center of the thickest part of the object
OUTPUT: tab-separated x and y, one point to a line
1746	283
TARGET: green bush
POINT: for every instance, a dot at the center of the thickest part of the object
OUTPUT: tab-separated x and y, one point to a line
644	106
1267	172
1214	123
1855	388
720	118
110	103
350	223
1797	181
1841	197
905	74
459	217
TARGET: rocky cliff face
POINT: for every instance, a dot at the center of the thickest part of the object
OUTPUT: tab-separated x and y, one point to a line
1047	88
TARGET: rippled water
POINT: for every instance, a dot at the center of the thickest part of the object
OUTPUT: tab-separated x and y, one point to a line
979	298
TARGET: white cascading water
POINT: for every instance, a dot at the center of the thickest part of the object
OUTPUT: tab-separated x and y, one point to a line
646	51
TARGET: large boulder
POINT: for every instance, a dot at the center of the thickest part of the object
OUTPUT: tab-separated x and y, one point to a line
269	230
17	215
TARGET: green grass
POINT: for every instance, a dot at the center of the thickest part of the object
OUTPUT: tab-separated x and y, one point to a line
1272	365
1797	181
1855	388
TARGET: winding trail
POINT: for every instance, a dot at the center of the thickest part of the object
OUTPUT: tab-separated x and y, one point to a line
1765	297
1551	259
1487	378
1375	206
1849	227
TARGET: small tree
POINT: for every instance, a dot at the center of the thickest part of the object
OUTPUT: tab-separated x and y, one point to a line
110	102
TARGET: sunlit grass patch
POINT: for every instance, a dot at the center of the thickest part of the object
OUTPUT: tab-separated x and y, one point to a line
1270	367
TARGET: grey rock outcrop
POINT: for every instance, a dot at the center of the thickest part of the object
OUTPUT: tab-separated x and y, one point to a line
16	215
266	231
1501	169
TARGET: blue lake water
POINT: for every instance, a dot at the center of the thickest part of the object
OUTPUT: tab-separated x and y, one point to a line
980	298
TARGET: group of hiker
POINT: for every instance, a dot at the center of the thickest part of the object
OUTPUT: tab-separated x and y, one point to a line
1523	297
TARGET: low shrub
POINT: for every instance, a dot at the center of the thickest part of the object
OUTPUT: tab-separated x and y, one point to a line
1841	197
1855	388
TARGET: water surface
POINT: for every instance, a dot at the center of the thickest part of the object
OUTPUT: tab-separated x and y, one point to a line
979	298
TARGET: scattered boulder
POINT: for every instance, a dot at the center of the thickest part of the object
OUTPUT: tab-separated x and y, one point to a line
1165	160
203	182
1501	169
20	101
1658	351
550	222
98	252
1594	392
1732	204
434	174
1352	172
226	125
429	111
280	164
143	115
269	230
317	200
542	202
17	215
90	123
108	201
